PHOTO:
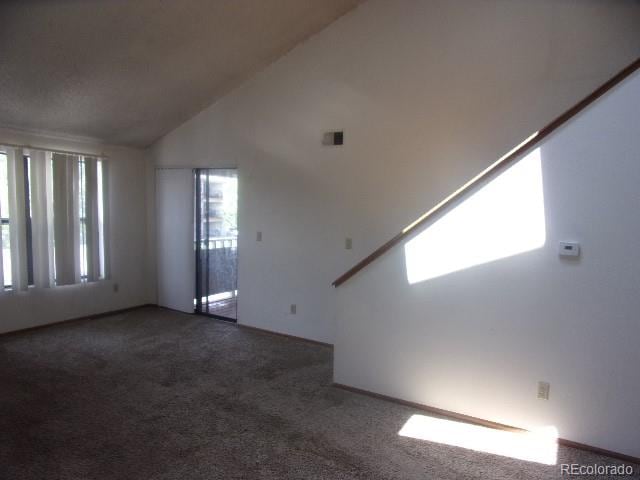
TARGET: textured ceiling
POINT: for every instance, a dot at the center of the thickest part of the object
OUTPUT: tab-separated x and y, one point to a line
129	71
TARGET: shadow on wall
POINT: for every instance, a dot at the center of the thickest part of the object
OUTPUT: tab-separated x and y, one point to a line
505	218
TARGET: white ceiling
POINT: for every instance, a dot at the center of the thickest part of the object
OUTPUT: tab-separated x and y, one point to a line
128	71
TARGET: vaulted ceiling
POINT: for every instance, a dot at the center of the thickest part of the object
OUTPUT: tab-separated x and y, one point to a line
128	71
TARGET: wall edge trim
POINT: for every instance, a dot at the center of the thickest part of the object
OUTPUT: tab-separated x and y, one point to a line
76	319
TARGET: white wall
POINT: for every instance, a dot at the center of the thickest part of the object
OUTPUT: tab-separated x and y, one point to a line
428	92
128	238
478	340
176	266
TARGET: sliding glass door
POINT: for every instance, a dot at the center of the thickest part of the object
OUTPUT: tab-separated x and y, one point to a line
216	242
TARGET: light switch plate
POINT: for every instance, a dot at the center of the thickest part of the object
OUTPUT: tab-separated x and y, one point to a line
543	390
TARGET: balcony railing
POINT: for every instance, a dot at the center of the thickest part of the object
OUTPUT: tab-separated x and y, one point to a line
217	243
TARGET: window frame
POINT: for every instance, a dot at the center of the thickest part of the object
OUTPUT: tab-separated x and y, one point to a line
26	159
4	221
82	219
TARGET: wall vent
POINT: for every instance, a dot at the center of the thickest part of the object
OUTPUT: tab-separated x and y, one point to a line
333	138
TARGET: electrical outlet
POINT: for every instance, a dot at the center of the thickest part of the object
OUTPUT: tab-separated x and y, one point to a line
258	236
116	287
543	390
293	309
348	243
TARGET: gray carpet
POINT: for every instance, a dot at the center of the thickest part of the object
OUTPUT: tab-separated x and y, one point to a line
153	394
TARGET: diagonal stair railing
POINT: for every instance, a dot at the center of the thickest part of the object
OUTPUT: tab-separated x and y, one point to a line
490	172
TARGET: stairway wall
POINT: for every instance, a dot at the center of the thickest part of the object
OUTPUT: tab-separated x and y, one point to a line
477	340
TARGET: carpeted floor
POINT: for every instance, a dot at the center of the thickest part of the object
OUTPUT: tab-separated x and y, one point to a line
153	394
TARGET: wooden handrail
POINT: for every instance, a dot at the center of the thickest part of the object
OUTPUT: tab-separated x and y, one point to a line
490	172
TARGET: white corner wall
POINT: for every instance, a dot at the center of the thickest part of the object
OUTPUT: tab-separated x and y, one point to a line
129	266
428	92
478	340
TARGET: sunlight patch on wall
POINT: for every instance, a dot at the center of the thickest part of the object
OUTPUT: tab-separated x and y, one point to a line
505	218
540	446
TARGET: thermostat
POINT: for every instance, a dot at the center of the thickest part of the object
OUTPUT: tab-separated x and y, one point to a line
569	249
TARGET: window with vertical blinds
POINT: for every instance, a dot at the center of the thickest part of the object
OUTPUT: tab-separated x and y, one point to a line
52	211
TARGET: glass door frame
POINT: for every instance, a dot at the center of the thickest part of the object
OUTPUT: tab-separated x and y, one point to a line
200	238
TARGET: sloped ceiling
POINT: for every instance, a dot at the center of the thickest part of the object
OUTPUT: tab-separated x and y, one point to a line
128	71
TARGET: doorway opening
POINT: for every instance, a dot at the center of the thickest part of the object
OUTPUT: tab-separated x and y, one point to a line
216	242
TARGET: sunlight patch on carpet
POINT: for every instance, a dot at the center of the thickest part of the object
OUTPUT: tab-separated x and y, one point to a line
539	446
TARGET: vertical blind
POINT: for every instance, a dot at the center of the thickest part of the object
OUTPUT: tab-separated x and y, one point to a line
52	210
